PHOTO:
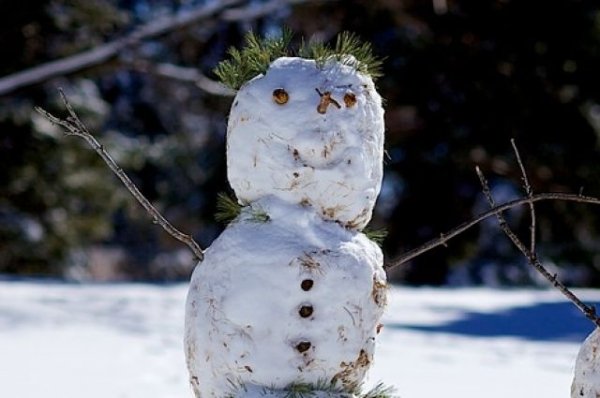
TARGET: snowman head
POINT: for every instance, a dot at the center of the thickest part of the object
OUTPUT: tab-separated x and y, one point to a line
309	132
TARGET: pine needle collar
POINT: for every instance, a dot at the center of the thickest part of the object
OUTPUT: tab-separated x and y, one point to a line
258	53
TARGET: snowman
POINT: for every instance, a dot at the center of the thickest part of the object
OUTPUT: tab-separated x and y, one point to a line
586	380
291	293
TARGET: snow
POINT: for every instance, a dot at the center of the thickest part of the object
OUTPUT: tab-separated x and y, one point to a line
586	383
305	153
250	322
331	160
126	341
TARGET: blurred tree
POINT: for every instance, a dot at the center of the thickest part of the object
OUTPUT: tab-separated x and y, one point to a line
62	211
461	78
54	198
459	85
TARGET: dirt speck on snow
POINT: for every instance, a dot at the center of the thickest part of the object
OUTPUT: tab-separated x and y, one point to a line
347	377
379	292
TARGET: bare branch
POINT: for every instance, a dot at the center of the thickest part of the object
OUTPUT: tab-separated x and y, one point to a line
443	239
257	10
490	198
440	7
532	259
529	193
186	75
74	126
160	26
105	52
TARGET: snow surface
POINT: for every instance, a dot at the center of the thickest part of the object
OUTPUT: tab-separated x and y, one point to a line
331	160
126	341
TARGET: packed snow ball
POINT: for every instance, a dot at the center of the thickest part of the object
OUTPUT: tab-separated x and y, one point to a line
586	383
311	135
291	300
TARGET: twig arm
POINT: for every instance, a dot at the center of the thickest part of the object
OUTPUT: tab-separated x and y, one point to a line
75	127
529	193
532	258
443	239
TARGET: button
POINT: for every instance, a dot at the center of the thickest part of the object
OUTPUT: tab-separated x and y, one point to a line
307	284
306	311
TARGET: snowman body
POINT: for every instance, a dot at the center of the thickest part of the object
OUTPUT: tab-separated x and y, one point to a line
291	292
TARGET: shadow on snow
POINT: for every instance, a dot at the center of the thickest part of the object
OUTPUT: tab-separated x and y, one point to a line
541	321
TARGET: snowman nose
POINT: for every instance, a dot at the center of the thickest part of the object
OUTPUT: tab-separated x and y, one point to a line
326	100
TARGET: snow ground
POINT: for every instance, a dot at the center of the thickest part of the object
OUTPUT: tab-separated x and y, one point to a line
125	341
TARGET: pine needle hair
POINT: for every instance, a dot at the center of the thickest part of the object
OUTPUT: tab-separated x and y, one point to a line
257	54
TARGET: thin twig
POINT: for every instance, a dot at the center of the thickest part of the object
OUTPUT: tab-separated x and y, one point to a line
107	51
443	239
489	197
532	258
75	127
529	193
257	10
440	7
183	74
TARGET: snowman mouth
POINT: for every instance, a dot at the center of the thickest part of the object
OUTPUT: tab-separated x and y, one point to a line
326	100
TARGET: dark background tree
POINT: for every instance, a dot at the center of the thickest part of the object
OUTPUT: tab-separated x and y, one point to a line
461	78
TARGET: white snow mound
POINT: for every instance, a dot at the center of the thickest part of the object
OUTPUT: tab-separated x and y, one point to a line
586	383
284	139
287	301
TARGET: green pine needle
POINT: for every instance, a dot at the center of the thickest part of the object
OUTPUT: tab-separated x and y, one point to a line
300	390
376	235
228	209
254	58
260	216
379	391
349	44
258	53
310	390
346	43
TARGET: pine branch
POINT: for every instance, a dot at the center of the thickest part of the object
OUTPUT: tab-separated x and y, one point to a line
376	235
349	50
253	59
74	127
257	54
300	390
228	209
379	391
365	61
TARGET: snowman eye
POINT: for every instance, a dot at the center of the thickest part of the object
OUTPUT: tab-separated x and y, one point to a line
280	96
349	100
